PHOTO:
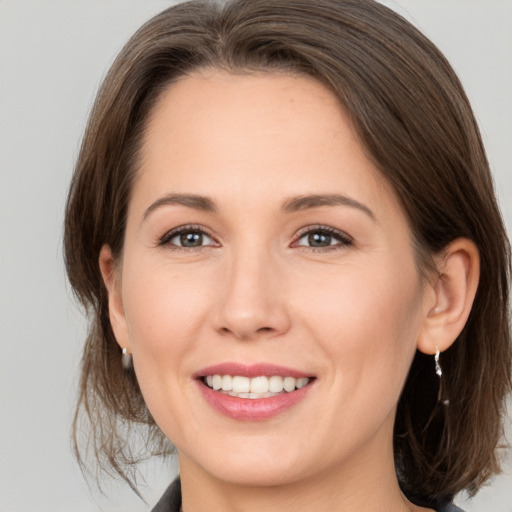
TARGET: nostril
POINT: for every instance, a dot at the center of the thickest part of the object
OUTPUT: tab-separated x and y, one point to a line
246	333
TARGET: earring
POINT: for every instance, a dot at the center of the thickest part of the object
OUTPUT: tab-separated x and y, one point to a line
439	370
126	359
439	373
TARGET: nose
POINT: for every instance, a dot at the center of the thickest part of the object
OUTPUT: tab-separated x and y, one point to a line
251	299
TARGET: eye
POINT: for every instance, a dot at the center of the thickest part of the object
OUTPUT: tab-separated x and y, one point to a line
322	237
187	237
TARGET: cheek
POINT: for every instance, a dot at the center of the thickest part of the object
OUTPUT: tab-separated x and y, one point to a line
381	297
367	323
161	306
165	313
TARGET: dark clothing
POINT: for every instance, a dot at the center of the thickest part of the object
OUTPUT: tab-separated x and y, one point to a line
171	501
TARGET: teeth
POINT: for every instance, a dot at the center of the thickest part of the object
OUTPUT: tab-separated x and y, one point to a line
257	387
240	385
289	384
301	382
275	384
251	395
217	382
227	383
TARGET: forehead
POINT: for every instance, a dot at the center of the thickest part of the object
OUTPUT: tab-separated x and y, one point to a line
253	136
235	112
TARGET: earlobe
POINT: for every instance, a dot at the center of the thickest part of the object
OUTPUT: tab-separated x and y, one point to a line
111	279
451	295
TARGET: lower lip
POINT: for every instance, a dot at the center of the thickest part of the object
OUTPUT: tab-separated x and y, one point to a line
252	409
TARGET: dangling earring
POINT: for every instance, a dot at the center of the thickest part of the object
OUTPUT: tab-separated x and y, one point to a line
126	359
439	372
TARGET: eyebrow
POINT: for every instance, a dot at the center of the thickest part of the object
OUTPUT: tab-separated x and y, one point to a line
291	205
295	204
189	200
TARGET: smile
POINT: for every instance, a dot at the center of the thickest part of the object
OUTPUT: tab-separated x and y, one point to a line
254	392
255	387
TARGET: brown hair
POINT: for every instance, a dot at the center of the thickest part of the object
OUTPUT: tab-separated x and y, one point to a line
415	123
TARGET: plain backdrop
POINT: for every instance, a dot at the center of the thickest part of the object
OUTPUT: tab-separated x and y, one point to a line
53	55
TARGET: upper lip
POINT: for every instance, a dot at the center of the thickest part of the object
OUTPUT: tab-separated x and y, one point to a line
251	370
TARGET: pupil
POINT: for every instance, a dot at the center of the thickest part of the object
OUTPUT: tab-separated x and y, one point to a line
319	240
191	239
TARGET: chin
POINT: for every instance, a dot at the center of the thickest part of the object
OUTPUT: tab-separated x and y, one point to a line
260	475
255	465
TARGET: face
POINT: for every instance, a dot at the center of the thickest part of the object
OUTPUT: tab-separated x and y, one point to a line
263	249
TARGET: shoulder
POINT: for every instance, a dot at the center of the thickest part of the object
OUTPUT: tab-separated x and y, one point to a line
171	499
450	508
437	505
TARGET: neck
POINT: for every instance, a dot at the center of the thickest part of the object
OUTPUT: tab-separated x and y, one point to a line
365	481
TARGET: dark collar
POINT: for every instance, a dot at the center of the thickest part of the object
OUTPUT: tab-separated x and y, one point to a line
171	499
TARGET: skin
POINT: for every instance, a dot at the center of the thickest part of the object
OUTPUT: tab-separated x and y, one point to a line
351	313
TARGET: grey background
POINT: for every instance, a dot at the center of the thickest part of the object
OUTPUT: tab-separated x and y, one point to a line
53	55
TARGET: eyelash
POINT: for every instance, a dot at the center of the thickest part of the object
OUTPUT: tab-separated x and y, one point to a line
343	239
166	239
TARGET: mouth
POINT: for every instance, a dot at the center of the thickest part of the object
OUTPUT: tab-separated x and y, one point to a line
260	386
255	392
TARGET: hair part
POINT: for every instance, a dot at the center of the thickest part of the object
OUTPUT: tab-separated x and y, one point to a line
414	122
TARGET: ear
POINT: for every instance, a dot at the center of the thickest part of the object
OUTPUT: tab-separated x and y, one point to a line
112	279
449	298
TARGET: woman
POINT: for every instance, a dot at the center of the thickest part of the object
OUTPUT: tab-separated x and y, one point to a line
281	216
